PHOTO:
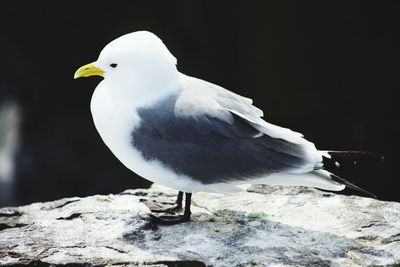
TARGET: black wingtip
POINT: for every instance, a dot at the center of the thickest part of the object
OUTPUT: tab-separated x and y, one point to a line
351	185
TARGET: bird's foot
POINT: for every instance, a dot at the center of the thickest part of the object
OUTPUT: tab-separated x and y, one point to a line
167	213
169	219
174	209
166	207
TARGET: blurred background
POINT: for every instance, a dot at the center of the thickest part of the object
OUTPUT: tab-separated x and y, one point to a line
328	69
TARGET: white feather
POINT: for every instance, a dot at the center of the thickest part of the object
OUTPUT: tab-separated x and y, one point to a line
143	78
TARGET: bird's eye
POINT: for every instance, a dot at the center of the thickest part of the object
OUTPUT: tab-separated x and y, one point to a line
113	65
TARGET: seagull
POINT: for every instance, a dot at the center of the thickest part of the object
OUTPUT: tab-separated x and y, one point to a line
192	135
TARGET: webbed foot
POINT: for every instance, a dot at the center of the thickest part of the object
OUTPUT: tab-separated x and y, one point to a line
170	219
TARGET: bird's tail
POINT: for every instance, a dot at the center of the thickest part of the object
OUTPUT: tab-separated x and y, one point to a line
332	160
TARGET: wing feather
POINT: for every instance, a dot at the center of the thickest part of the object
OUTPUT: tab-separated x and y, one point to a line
217	102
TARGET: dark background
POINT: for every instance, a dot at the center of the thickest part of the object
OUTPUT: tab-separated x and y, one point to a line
328	69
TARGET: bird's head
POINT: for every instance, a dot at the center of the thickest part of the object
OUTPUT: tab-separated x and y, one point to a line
139	59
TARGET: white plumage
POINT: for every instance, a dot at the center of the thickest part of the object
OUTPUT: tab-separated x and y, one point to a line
144	75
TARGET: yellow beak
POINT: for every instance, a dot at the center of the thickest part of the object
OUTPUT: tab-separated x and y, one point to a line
88	70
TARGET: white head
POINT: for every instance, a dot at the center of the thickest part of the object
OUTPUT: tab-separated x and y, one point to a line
133	65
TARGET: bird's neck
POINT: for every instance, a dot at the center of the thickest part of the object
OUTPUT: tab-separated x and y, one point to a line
143	91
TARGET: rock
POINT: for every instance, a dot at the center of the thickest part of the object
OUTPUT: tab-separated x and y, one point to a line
264	226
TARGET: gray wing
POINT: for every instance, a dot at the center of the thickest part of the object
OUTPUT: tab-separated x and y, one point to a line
200	97
213	144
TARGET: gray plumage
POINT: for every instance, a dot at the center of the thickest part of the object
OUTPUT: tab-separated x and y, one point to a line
213	147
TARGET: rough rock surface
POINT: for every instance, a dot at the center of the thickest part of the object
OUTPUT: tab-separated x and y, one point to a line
264	226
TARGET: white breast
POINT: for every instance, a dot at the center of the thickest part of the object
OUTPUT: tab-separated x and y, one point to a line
115	124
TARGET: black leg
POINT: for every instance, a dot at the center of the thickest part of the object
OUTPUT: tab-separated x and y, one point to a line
188	202
179	200
170	219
